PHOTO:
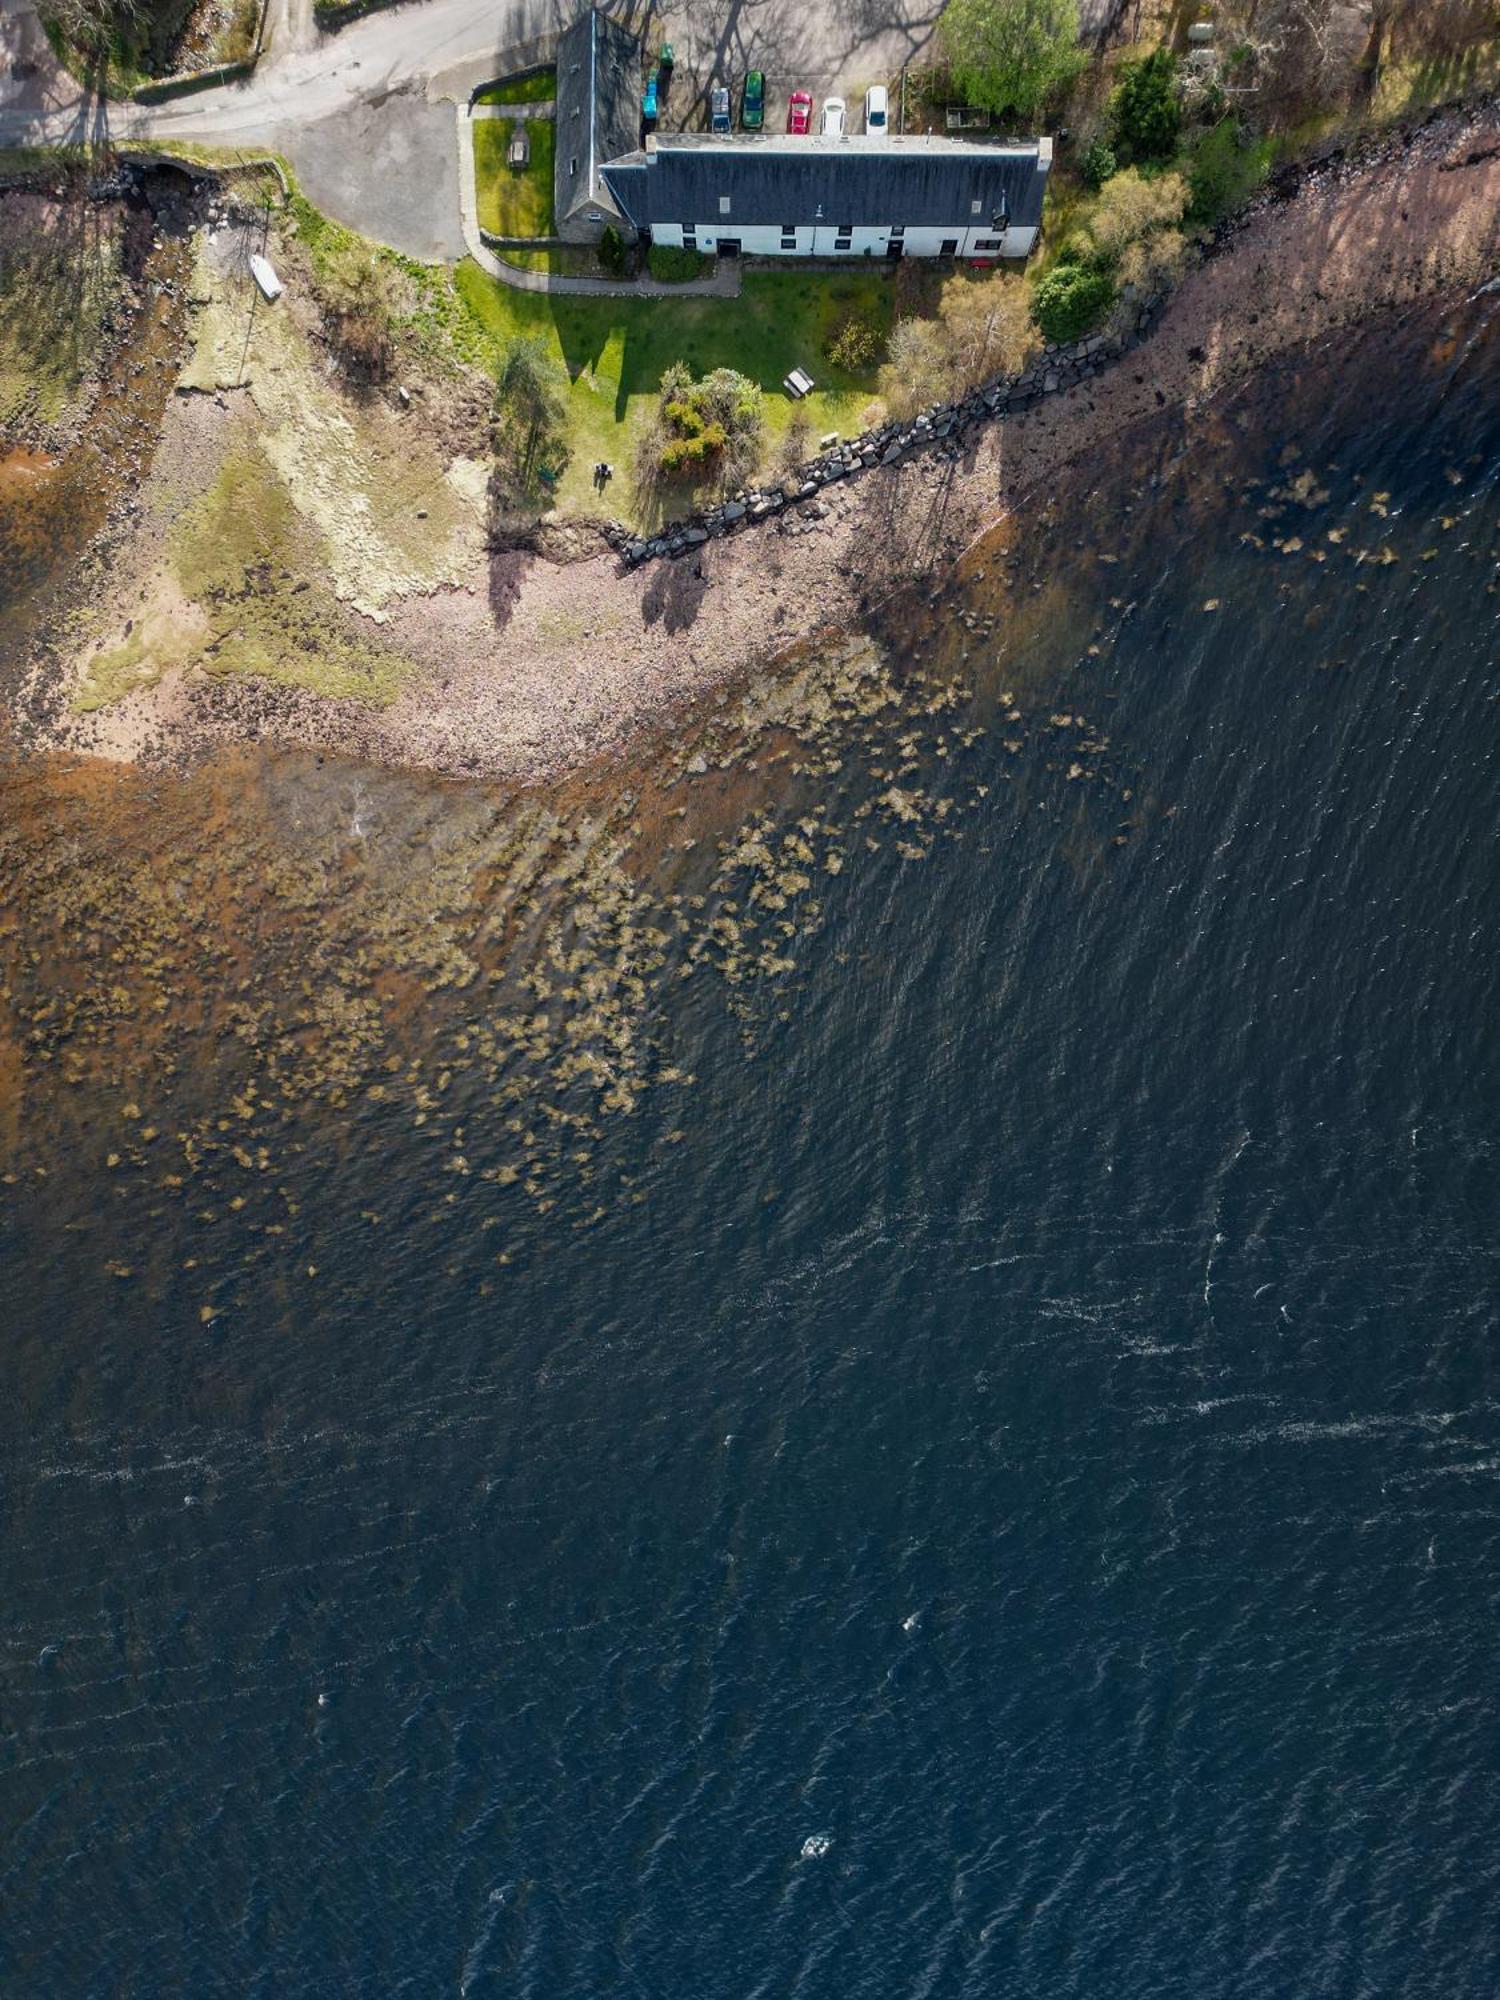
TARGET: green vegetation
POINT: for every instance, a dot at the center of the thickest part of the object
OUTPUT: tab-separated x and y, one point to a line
1071	300
614	352
527	425
562	260
1012	55
670	264
1144	108
1225	166
58	273
513	201
121	45
1097	165
980	328
705	433
539	87
424	317
853	344
246	557
612	250
361	306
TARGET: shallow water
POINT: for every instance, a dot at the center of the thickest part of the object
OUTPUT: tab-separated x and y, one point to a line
920	1419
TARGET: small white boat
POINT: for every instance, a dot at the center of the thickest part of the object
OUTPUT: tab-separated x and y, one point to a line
265	277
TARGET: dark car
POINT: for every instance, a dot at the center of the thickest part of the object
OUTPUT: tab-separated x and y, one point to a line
753	103
719	117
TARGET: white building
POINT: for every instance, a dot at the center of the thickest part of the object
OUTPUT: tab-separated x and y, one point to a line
853	197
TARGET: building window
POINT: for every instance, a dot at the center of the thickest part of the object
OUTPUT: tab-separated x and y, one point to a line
788	239
898	230
723	204
843	242
975	207
573	167
987	243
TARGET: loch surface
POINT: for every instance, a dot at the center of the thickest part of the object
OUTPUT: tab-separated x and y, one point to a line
973	1469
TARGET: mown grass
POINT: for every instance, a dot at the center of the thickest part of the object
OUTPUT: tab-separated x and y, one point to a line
614	352
513	201
538	88
560	260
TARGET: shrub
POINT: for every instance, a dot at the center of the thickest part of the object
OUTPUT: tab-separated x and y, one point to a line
1098	164
1071	300
708	430
1132	207
1012	55
1224	171
1135	232
358	291
670	265
1145	109
853	344
612	249
982	329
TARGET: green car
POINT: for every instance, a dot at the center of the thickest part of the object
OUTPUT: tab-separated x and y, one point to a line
753	103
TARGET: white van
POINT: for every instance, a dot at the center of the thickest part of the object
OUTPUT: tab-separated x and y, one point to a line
833	118
877	116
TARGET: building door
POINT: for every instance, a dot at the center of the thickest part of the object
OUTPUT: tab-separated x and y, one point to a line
729	246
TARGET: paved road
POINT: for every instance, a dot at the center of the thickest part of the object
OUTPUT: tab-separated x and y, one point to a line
365	116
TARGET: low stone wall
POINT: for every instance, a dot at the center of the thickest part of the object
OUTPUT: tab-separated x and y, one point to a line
945	429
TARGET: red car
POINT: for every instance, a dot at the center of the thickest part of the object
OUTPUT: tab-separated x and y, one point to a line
799	113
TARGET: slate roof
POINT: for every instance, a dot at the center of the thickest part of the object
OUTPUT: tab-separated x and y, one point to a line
598	109
871	183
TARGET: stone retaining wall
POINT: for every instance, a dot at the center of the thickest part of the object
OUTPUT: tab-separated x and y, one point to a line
944	429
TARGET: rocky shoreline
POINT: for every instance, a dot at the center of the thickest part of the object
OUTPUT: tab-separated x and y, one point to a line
534	668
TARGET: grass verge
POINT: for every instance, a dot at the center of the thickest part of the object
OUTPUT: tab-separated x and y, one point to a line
538	86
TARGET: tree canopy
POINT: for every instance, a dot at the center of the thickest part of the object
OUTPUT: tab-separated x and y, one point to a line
1011	55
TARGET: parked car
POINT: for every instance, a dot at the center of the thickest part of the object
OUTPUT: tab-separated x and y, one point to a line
799	112
667	59
833	118
753	103
648	102
877	113
719	118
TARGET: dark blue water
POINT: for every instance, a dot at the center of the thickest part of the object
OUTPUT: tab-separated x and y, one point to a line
991	1489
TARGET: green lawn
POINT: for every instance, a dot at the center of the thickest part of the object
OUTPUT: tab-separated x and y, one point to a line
615	352
537	88
513	201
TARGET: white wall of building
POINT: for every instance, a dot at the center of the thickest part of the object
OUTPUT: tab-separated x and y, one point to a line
823	240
